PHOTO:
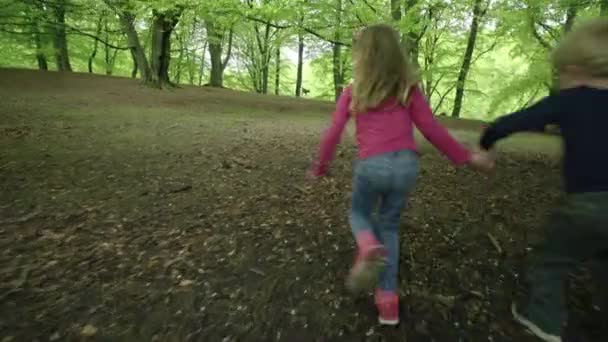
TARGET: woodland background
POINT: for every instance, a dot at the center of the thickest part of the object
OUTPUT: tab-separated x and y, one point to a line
477	58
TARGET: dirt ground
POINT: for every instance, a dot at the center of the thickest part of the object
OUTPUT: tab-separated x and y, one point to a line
132	214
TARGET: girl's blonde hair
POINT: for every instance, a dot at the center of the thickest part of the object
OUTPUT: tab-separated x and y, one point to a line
381	68
585	47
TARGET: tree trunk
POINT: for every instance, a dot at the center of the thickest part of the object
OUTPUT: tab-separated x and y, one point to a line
396	10
92	57
180	59
189	63
261	58
191	55
468	58
137	51
106	48
127	21
277	71
265	54
215	37
110	60
412	38
37	15
337	71
60	41
337	54
163	25
570	17
96	43
40	57
135	67
604	8
202	68
301	64
430	53
217	74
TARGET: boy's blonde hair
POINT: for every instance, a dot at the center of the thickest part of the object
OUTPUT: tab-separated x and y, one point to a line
585	48
381	68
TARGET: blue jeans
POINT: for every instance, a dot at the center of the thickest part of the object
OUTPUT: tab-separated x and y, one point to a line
383	182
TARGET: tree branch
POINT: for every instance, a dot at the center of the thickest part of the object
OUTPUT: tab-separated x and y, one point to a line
333	41
303	28
550	30
69	30
370	6
443	96
539	38
434	86
352	2
85	34
489	49
229	51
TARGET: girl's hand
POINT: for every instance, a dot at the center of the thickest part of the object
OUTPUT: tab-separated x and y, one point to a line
483	161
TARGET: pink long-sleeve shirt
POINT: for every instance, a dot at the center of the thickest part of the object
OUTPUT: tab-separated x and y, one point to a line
388	128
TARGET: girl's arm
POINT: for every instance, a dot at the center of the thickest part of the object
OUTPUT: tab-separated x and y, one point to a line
433	131
332	135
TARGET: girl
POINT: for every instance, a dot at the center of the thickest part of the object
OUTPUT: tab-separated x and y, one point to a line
385	102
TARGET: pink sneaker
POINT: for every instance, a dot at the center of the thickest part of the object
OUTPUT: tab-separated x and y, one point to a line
368	265
387	303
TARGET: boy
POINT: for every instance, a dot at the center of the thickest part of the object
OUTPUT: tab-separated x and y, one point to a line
578	229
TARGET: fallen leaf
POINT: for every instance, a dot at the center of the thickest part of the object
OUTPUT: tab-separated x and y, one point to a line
186	282
88	330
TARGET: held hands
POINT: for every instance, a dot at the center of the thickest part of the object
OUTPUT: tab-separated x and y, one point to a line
483	161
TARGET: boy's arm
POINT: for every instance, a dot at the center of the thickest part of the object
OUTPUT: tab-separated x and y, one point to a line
532	119
332	135
433	131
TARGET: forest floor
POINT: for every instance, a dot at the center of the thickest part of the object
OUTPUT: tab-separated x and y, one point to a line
132	214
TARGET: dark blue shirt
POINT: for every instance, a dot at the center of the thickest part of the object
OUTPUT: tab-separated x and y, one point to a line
582	115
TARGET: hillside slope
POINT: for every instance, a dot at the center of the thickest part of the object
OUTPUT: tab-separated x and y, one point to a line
97	89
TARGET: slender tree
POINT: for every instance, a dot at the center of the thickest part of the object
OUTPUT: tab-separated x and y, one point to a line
478	14
338	70
277	70
300	63
201	73
96	43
